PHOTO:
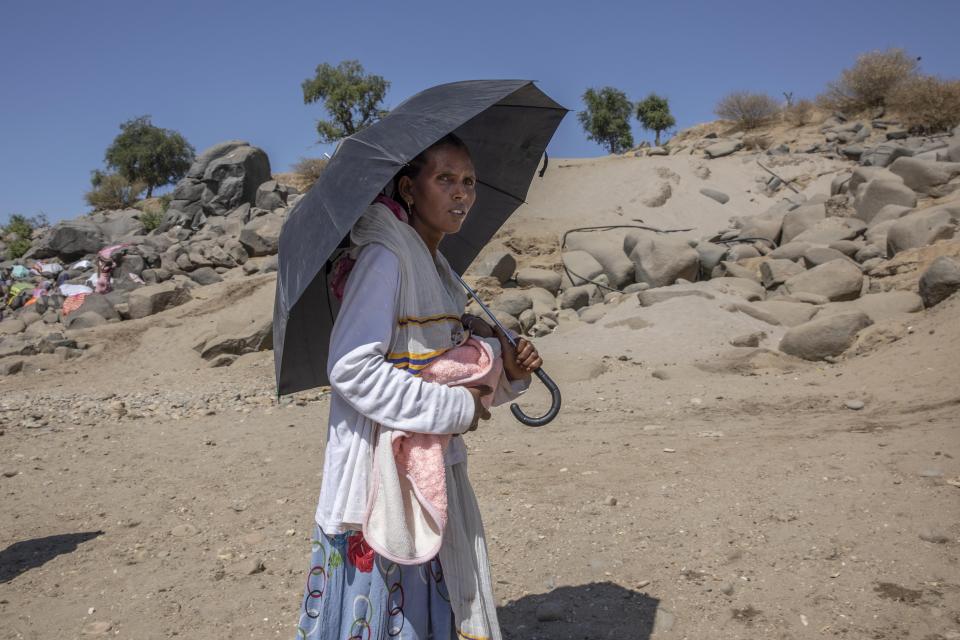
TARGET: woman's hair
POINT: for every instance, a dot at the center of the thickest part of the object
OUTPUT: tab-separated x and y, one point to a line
413	168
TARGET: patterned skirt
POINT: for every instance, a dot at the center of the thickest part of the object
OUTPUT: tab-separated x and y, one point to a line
352	593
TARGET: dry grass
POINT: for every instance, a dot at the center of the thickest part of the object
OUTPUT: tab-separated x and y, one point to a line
869	82
757	142
114	192
927	103
748	110
800	113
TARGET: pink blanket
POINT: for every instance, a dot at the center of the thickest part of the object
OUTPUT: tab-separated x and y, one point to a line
417	474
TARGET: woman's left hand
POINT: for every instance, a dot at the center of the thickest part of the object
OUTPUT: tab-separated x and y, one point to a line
520	361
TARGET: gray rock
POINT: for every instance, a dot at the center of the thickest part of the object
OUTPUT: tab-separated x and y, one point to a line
593	313
152	299
527	319
205	276
877	234
939	281
790	314
710	256
928	178
869	252
507	320
499	264
577	297
849	248
636	287
883	155
877	194
607	249
800	219
651	297
543	301
776	272
580	268
854	405
936	537
751	310
837	280
863	175
889	212
69	240
550	611
765	225
734	270
660	261
86	320
257	337
790	251
512	302
261	236
816	256
233	178
887	305
9	366
714	194
749	289
831	230
93	303
824	337
922	228
738	252
543	278
749	340
723	148
270	196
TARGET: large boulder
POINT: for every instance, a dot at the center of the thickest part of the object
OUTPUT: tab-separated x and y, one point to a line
580	268
723	148
92	303
513	302
118	226
70	239
155	298
836	280
863	175
816	256
256	337
926	177
498	263
831	230
261	236
877	194
883	155
800	219
923	227
746	288
710	255
764	225
940	281
542	278
790	314
661	260
824	337
882	306
776	272
606	249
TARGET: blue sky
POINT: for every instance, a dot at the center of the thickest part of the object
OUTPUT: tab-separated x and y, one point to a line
73	71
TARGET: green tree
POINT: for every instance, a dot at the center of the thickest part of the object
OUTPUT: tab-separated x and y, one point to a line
145	153
350	96
607	118
653	112
18	233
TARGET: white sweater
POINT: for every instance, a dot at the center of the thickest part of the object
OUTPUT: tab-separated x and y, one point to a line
366	390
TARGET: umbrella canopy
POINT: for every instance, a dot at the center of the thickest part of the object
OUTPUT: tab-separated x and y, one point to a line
506	124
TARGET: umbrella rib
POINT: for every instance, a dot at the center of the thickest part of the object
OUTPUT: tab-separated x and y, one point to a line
499	190
530	106
375	146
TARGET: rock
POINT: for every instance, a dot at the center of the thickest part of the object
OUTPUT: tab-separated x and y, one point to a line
824	337
837	280
879	307
270	196
926	177
550	611
816	256
776	272
923	227
254	566
69	240
86	320
877	194
93	303
96	628
512	302
499	264
662	294
751	310
580	268
258	336
155	298
789	314
183	530
766	225
831	230
710	255
854	405
749	340
9	366
883	155
527	319
790	251
714	194
232	178
576	297
205	276
723	148
848	248
542	278
261	236
939	281
593	313
544	302
869	252
507	320
606	249
889	212
936	537
800	219
747	288
660	261
734	270
11	326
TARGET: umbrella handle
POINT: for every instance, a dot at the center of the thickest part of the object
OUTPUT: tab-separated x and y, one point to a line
551	413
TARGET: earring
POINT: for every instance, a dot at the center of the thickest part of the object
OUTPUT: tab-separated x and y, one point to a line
409	206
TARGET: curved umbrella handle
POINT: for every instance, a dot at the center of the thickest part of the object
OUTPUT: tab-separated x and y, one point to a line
554	403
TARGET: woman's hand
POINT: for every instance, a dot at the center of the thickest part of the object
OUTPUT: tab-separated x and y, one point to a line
479	411
519	362
477	326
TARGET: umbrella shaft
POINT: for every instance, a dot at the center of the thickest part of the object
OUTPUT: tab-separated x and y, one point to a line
486	309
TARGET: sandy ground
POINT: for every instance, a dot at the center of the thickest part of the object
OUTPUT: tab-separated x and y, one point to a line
733	496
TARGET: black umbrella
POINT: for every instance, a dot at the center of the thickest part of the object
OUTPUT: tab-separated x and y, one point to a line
506	124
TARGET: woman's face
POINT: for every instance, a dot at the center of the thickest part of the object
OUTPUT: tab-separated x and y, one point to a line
443	192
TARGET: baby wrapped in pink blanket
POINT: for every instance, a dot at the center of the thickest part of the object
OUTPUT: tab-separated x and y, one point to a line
407	502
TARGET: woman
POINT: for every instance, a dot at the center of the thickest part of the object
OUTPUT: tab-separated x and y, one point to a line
402	307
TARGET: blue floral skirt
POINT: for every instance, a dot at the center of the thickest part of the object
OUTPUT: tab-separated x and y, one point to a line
352	593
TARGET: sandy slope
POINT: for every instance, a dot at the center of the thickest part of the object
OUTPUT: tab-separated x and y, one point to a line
750	503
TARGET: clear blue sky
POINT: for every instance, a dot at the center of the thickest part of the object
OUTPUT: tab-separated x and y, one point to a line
72	71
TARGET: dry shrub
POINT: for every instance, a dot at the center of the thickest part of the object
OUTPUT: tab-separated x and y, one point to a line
869	82
308	170
928	103
747	110
757	142
113	191
799	113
